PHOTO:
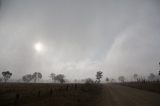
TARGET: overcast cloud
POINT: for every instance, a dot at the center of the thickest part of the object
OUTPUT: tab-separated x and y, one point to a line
80	37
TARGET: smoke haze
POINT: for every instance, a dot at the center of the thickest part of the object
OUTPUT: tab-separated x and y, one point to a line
80	37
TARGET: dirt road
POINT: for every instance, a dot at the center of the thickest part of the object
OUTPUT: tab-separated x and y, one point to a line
116	95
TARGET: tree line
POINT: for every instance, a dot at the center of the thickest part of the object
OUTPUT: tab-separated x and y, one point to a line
60	78
36	76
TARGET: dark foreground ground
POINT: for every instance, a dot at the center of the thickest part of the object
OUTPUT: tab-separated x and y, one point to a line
75	95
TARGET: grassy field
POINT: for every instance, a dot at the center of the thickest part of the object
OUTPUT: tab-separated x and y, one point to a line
36	94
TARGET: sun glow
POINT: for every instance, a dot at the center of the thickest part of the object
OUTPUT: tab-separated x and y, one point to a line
38	47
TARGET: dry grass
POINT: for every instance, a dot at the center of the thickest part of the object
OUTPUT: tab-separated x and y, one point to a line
34	94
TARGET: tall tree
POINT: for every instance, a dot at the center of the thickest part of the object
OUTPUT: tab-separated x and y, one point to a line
99	76
6	75
36	76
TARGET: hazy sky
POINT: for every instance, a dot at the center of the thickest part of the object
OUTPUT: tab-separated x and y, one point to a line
80	37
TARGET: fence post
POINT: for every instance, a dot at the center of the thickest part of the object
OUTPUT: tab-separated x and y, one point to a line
17	99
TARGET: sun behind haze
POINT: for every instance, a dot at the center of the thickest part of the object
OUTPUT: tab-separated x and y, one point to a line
39	47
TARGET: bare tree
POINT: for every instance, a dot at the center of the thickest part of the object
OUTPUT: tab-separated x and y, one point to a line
53	77
121	78
60	78
27	78
36	76
6	75
99	76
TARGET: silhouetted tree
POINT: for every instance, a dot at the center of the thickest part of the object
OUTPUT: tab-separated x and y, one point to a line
60	78
151	77
36	76
89	81
121	78
99	76
53	77
107	79
27	78
6	75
